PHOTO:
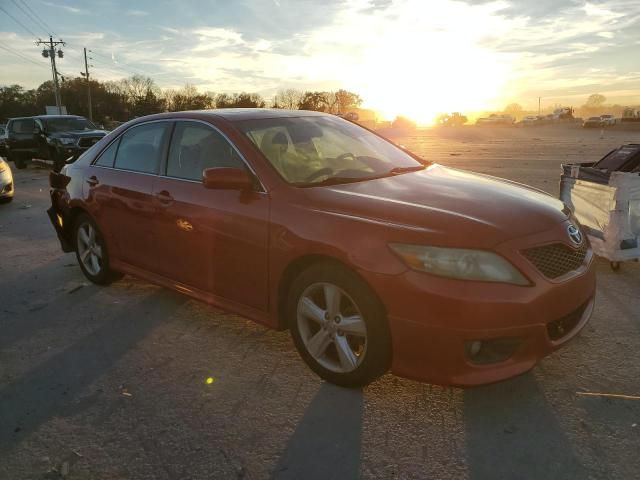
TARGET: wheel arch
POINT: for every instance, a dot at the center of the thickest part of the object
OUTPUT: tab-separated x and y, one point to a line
72	216
297	266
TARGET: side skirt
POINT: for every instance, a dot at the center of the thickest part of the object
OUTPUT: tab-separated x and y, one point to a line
257	316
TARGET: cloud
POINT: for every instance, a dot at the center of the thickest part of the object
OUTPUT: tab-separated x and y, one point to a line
398	54
136	13
68	8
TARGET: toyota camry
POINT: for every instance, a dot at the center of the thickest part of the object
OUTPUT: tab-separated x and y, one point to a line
374	258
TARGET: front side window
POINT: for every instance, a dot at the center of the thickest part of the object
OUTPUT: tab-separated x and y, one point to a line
141	147
196	147
323	149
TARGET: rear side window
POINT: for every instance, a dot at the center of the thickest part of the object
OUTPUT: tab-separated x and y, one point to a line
196	147
108	156
141	147
23	126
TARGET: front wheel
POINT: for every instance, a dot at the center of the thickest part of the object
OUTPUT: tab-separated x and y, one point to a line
339	326
18	160
91	252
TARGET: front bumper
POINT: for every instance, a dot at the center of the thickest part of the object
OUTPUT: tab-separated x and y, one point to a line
7	187
434	320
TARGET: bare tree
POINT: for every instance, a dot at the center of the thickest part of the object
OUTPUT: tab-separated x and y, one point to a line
288	99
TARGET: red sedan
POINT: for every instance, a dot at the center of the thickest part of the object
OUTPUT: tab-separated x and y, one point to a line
372	257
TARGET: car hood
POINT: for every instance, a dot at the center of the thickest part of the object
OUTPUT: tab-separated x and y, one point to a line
79	134
454	207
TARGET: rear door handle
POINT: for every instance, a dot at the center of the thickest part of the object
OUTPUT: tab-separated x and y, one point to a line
93	181
164	197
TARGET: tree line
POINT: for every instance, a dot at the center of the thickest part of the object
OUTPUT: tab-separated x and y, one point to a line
139	95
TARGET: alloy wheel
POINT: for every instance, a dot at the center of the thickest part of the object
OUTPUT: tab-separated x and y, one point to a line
89	249
332	327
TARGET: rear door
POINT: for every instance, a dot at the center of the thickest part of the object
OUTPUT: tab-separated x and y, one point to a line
120	184
21	135
213	240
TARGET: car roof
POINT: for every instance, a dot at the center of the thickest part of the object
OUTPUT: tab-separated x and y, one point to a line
257	113
46	117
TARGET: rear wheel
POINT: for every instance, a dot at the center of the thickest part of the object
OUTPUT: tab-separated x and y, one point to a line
19	160
339	326
91	252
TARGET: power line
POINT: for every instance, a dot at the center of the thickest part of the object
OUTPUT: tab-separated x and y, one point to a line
28	15
20	55
127	68
42	22
18	22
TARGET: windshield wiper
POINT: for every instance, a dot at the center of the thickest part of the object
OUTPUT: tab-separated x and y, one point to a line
331	181
399	170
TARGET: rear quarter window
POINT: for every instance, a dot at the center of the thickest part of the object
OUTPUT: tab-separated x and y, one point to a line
108	156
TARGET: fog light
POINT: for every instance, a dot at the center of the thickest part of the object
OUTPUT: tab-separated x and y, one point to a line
491	351
474	348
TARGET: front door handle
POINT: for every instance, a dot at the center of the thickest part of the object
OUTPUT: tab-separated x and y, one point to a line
164	197
93	181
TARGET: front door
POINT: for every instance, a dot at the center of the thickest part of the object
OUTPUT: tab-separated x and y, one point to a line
213	240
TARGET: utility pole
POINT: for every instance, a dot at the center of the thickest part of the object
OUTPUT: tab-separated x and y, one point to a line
539	105
86	70
51	54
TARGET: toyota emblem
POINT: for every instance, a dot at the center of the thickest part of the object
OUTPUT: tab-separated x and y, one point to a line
574	234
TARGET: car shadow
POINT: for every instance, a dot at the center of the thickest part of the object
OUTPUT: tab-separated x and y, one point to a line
50	389
327	440
512	432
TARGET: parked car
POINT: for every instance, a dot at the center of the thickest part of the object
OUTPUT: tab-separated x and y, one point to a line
50	137
592	122
371	256
529	121
3	140
7	188
607	120
496	119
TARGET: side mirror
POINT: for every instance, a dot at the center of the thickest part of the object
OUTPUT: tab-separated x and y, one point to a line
227	179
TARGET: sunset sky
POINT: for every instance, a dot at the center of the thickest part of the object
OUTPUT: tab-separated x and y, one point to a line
411	57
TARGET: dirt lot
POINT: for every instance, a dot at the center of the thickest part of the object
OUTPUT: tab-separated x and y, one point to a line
110	383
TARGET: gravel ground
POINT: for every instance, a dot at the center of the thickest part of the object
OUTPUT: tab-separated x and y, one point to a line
110	383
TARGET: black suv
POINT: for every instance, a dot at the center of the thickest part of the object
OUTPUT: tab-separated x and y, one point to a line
49	137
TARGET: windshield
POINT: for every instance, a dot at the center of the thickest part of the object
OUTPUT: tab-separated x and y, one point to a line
324	150
55	125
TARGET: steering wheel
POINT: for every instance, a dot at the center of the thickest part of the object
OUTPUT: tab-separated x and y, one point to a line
346	155
319	173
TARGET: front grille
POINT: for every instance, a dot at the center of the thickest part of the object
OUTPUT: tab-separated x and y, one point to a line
86	142
565	325
556	259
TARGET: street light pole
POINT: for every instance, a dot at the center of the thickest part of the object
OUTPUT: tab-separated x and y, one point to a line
86	70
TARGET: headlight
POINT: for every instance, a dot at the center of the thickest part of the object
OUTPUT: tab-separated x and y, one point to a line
67	141
459	263
3	166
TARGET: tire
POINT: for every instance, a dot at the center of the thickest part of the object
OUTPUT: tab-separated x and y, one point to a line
57	159
312	328
18	160
6	200
91	252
